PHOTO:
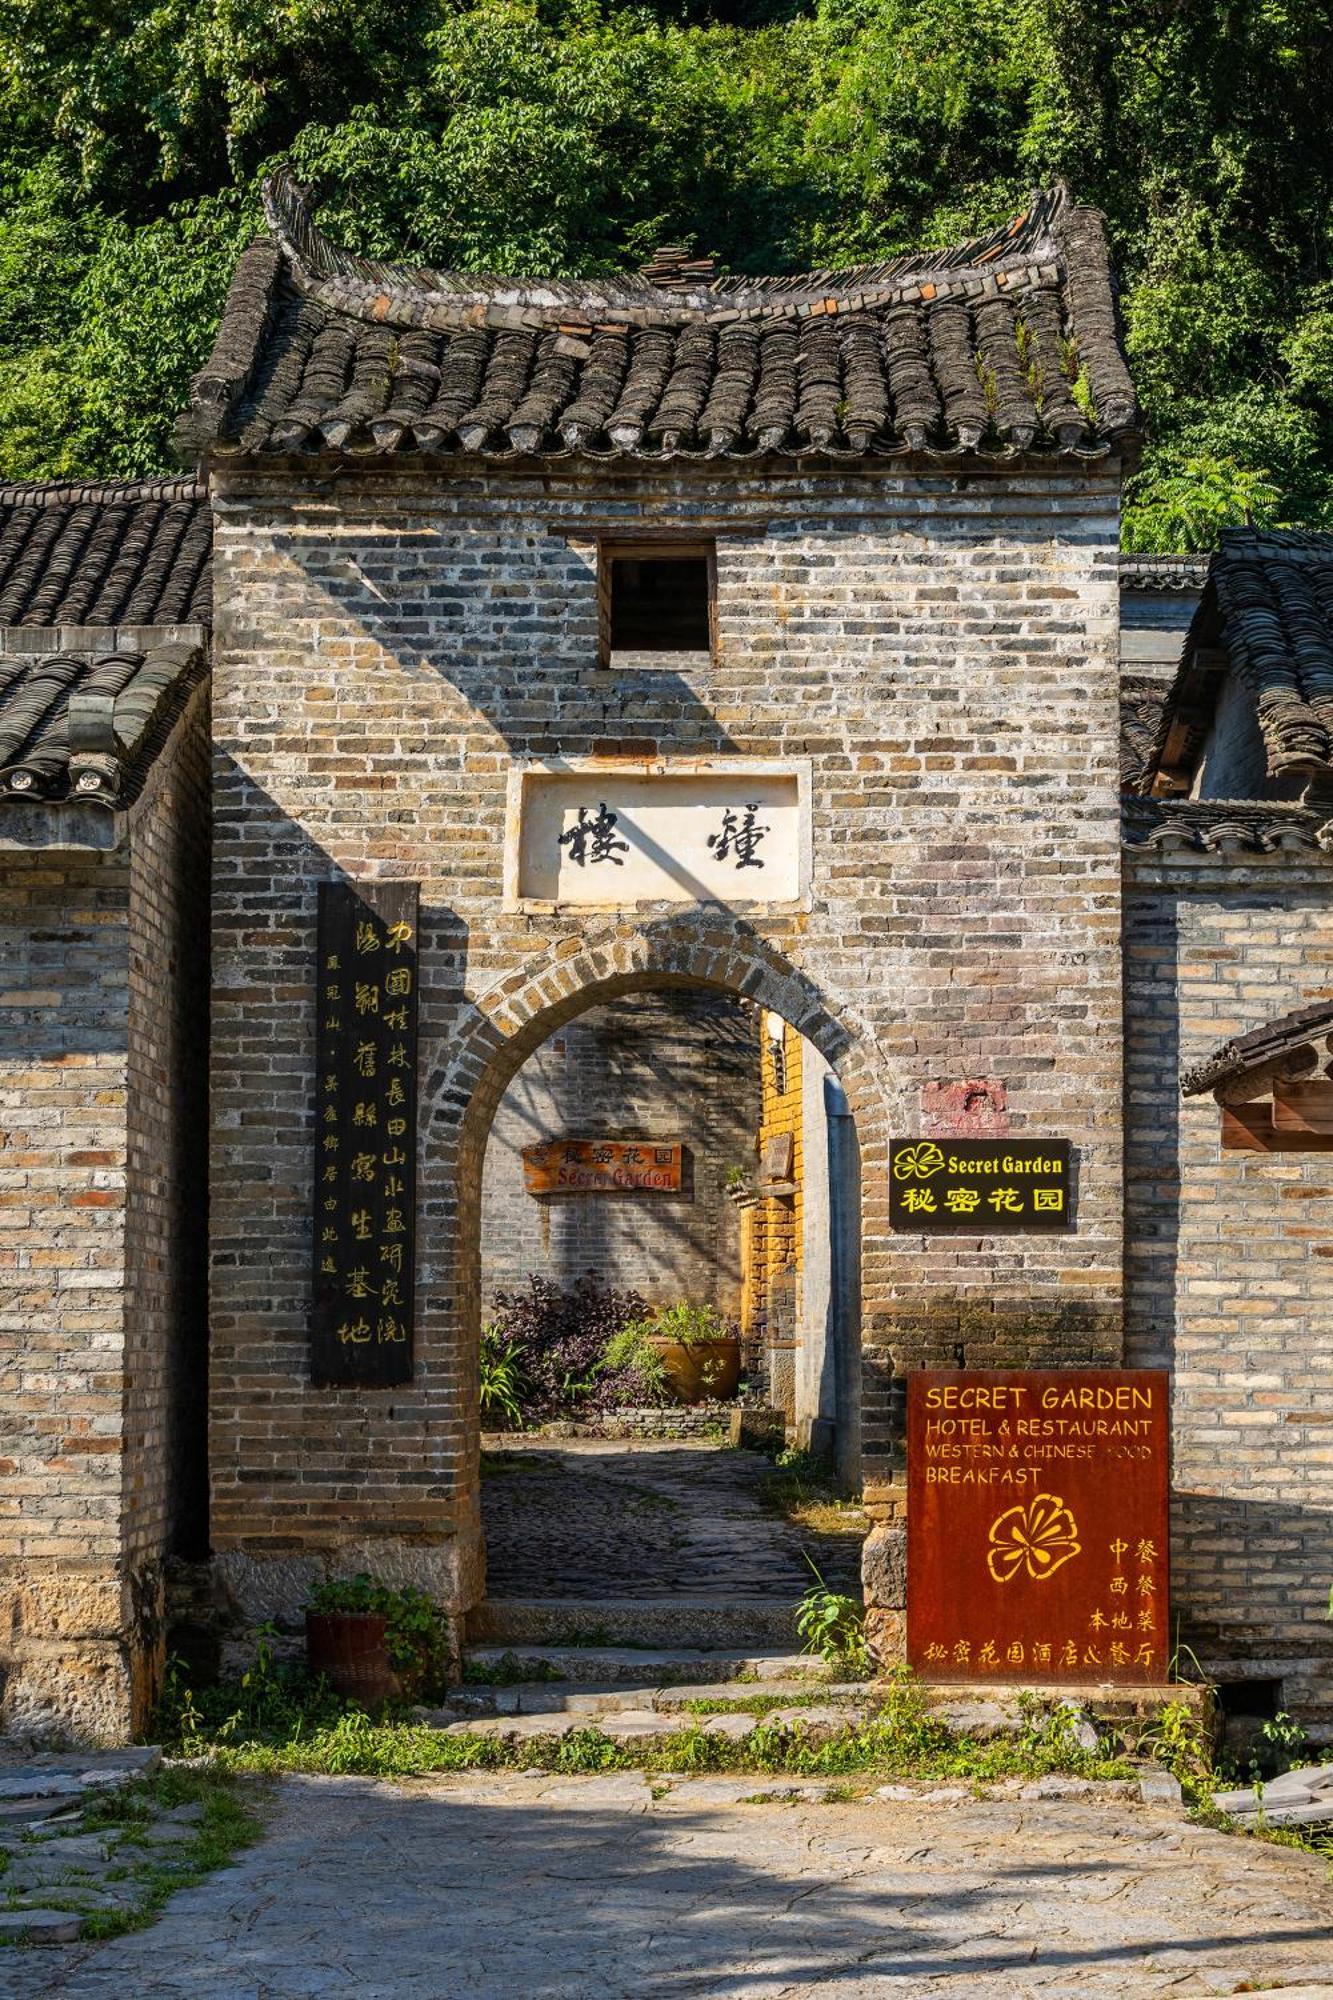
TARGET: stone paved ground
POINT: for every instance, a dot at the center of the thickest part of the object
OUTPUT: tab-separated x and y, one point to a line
594	1518
514	1887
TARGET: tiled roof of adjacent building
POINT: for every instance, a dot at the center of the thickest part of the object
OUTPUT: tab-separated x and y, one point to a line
86	726
119	553
1005	345
104	601
1140	718
1230	828
1163	573
1279	1037
1266	615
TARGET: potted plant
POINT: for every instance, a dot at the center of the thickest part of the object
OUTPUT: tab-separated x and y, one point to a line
372	1643
699	1351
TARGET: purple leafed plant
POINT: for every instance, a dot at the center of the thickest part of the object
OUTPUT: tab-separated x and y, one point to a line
564	1335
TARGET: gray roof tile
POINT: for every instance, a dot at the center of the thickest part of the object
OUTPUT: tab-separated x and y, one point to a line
968	350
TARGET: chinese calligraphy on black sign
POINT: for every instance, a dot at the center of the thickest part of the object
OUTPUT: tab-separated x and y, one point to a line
365	1133
980	1187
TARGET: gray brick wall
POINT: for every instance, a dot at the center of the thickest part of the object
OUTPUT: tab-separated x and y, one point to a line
1229	1274
166	1494
681	1066
97	954
944	651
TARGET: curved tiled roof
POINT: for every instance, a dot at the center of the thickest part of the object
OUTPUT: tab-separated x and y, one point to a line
1140	718
1231	828
1003	345
86	726
1279	1037
1266	615
122	553
1163	573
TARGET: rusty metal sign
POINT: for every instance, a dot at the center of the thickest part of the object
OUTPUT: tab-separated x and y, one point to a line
1037	1524
602	1166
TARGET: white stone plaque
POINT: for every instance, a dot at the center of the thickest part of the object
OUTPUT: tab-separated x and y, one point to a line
732	831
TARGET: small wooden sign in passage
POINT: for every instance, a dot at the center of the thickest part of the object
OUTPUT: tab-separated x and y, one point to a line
1037	1525
602	1166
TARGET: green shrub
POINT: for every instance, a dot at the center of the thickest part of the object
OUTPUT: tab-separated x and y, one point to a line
414	1627
832	1627
686	1324
502	1382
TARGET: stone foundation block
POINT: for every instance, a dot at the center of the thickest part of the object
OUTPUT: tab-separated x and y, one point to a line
84	1693
886	1636
884	1567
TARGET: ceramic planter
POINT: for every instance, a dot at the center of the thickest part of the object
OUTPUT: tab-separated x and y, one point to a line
706	1370
351	1650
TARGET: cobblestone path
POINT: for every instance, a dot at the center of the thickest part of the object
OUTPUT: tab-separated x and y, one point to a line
540	1888
593	1518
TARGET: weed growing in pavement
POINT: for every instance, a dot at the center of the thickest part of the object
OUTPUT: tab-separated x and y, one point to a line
230	1820
831	1625
802	1487
758	1704
510	1670
1181	1739
902	1739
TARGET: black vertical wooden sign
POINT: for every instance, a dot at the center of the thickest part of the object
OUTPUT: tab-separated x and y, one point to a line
365	1134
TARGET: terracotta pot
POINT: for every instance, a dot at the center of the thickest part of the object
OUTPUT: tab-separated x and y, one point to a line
705	1370
351	1650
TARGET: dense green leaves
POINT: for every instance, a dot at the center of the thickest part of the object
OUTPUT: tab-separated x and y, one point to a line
563	135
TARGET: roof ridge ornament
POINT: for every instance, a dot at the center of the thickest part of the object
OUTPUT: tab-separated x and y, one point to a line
672	269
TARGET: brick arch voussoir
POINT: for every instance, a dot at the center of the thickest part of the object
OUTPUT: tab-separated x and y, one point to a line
517	1014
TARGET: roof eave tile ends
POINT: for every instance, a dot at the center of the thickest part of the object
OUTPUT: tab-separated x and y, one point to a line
84	729
1269	1043
1266	617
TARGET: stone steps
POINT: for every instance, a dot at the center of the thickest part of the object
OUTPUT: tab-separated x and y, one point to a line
622	1723
753	1624
478	1699
641	1666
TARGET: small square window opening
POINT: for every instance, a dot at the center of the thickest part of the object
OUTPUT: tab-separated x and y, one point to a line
657	599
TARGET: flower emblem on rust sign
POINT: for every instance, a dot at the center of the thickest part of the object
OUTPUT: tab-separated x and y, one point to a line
917	1163
1039	1538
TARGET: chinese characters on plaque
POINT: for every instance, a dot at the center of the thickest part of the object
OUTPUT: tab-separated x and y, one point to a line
365	1133
623	837
602	1166
980	1186
1037	1524
592	837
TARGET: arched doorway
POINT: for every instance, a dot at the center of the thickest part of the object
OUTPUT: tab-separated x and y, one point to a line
623	1552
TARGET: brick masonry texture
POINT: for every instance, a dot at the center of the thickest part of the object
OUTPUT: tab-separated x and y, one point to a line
667	1066
100	1183
942	649
1229	1273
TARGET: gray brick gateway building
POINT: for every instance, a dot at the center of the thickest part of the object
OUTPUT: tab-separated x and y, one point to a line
500	570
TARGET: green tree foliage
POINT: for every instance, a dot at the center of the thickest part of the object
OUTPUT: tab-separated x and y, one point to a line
573	135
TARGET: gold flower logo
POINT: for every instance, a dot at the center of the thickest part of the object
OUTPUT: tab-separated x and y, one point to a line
917	1163
1039	1538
